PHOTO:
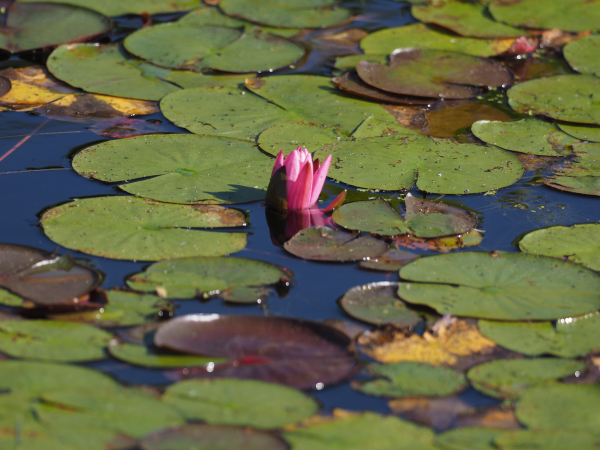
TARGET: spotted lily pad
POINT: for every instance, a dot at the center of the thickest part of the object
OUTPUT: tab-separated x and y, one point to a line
191	277
568	15
50	340
583	132
570	337
525	136
281	13
184	168
239	402
313	355
508	378
378	304
131	228
119	8
27	26
581	175
578	243
505	286
563	97
419	35
406	379
193	47
466	19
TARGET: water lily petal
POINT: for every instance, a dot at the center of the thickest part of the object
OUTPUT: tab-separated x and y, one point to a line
319	180
300	194
278	162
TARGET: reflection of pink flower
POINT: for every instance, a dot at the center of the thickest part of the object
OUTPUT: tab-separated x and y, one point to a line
304	179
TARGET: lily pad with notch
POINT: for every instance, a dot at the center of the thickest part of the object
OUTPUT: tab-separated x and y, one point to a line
130	228
502	286
118	8
184	168
313	354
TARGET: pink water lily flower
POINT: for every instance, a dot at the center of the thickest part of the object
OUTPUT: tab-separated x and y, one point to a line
304	179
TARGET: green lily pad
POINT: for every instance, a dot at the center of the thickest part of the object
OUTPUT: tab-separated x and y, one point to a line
327	244
508	378
239	402
28	26
390	261
581	175
195	47
240	114
184	168
50	340
560	407
582	55
378	304
191	277
570	337
373	216
579	243
568	15
155	358
9	299
360	431
131	228
119	8
433	73
282	13
466	19
564	97
505	286
408	379
419	35
583	132
546	439
468	438
350	62
525	136
214	437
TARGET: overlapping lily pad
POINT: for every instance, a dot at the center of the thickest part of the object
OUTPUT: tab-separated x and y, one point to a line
468	438
581	175
406	379
27	26
239	402
508	378
184	168
505	286
131	228
313	353
578	243
466	19
281	13
192	47
583	132
119	8
419	35
525	136
564	97
568	15
582	55
568	338
546	439
192	277
155	358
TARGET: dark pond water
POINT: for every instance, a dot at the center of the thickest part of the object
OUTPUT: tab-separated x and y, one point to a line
35	174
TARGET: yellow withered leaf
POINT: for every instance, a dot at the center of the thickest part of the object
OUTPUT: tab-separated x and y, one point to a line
85	106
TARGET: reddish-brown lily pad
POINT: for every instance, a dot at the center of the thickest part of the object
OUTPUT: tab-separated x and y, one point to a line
297	353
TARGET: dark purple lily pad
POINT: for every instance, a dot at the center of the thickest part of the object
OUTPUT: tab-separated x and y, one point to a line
297	353
214	437
327	244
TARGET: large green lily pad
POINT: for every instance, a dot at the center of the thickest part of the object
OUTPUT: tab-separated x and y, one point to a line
433	73
131	228
378	304
360	431
240	114
564	97
419	35
508	378
285	14
191	277
184	168
239	402
407	379
466	19
120	8
583	54
525	136
568	15
546	439
192	47
579	243
468	438
51	340
505	286
27	26
581	175
582	132
570	337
